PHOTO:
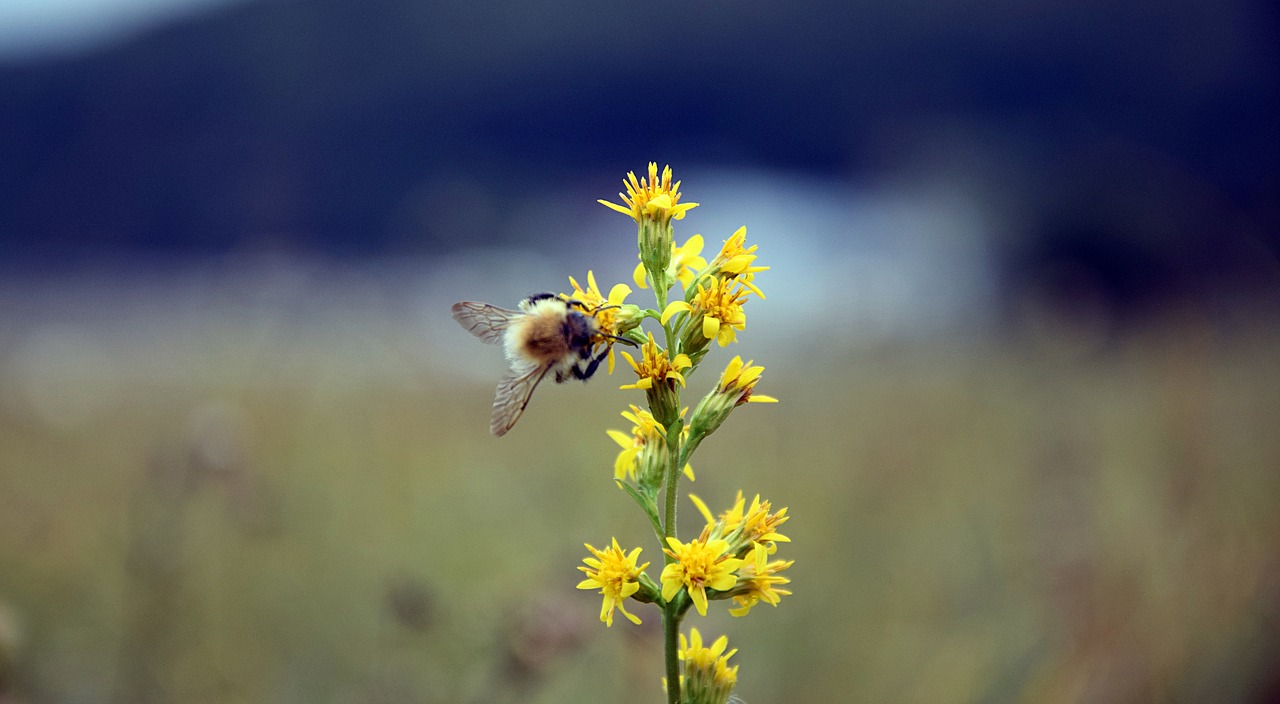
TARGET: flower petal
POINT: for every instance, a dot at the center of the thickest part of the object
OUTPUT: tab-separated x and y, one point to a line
673	308
727	334
710	327
699	596
630	617
702	508
621	438
630	361
619	293
615	206
693	246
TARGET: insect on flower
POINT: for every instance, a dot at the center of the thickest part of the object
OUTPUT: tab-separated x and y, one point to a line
548	333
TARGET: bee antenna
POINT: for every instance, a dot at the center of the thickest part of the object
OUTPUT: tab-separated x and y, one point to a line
623	340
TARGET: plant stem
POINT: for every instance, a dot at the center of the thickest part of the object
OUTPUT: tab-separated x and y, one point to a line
670	613
671	643
673	478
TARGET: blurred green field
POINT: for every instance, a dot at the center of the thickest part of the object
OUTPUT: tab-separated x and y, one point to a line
999	521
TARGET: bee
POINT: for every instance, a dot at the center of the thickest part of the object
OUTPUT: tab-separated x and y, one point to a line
547	334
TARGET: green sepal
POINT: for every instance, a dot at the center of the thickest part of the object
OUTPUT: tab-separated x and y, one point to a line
646	503
650	592
681	603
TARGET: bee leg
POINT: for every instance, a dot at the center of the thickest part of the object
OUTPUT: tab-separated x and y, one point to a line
594	364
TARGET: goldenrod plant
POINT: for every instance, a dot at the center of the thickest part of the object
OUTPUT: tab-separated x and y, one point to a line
730	558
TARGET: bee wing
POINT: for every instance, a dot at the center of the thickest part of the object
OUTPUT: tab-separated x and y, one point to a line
514	391
483	320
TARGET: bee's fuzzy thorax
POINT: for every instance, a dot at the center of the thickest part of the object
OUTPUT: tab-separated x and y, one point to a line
539	336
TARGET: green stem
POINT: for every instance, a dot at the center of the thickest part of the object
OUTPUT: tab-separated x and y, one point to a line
671	638
671	614
673	478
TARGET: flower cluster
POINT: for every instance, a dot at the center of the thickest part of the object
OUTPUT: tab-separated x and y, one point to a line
731	560
708	679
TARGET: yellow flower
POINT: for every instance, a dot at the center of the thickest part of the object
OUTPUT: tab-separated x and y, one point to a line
744	527
715	313
614	574
699	565
604	310
644	451
739	380
659	375
651	198
736	387
685	260
708	679
761	527
758	581
735	261
655	368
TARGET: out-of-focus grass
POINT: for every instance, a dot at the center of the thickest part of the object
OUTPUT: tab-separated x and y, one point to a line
994	522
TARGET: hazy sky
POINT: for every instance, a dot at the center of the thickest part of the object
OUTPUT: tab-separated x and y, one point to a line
35	28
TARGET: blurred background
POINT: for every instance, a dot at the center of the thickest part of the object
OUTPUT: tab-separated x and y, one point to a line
1022	318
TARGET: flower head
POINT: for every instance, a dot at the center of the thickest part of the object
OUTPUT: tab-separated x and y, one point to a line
758	581
644	451
735	261
651	198
653	203
715	313
655	367
708	679
739	380
608	312
736	387
615	574
658	375
742	526
699	565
